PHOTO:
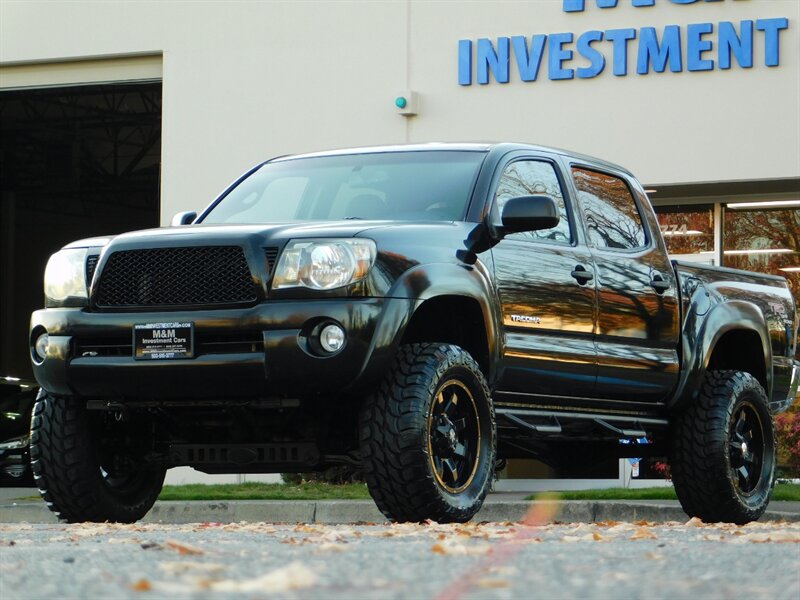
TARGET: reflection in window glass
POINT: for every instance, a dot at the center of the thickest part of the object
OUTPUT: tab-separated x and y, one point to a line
764	240
688	231
534	178
279	201
609	210
408	186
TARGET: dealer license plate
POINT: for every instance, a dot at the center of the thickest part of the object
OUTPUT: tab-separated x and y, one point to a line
163	341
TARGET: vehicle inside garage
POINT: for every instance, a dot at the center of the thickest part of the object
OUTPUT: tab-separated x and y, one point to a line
75	162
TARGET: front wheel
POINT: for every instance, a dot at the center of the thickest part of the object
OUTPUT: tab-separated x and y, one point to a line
428	438
723	450
87	469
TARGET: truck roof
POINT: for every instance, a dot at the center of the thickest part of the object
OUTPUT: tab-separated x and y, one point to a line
456	146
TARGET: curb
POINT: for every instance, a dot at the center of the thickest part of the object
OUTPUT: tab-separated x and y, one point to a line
365	511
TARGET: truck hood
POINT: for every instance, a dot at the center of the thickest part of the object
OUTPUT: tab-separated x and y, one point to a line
433	233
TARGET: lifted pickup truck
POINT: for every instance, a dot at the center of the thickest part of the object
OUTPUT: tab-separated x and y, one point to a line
422	312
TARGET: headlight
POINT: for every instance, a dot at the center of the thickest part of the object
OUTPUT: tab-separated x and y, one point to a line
323	264
65	279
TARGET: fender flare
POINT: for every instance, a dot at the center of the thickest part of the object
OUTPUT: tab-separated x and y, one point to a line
418	285
702	333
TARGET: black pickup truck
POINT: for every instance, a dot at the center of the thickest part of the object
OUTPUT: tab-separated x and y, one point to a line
421	312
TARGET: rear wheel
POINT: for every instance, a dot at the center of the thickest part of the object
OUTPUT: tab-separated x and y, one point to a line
83	469
723	450
428	437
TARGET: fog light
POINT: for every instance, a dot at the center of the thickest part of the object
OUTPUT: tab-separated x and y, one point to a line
41	345
331	338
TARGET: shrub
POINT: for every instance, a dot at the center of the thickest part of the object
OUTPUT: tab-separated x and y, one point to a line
335	475
787	427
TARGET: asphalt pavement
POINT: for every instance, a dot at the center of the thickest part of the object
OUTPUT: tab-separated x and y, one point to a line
209	561
337	549
22	505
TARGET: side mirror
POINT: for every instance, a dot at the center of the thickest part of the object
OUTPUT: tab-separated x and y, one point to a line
529	213
183	218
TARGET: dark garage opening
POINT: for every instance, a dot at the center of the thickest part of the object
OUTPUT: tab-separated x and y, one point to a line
75	162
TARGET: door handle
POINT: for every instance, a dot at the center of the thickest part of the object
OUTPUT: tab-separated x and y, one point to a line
581	274
658	284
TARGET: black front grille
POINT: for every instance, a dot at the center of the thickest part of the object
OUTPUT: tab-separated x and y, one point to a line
176	277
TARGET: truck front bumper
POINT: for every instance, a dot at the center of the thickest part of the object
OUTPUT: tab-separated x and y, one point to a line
261	351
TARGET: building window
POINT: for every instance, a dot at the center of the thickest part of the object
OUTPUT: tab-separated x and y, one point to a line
688	231
764	240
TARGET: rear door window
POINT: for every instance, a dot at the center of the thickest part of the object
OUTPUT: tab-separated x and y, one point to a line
609	211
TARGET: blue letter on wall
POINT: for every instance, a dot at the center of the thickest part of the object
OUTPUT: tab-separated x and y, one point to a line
464	62
772	42
696	46
489	60
742	47
585	49
580	5
528	63
620	38
650	50
557	55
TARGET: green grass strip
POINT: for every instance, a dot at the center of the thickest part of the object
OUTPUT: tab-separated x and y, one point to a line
265	491
782	492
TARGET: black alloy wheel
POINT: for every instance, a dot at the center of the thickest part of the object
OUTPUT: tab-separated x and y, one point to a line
747	448
454	436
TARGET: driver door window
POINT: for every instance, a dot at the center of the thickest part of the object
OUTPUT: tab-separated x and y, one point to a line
534	178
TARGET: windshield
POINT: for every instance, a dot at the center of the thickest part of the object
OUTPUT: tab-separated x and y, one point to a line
406	186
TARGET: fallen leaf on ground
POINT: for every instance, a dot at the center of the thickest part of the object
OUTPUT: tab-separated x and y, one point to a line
643	533
695	522
608	523
187	566
503	570
455	549
781	537
332	547
588	537
493	583
142	586
182	548
653	556
294	576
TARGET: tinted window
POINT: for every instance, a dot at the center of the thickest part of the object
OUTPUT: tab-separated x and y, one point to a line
534	178
406	186
609	210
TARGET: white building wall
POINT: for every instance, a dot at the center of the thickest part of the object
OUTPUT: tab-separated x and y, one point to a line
243	81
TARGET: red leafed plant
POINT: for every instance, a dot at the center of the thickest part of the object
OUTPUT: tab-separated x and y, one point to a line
662	468
787	426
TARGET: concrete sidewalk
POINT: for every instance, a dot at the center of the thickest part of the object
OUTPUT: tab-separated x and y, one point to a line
20	508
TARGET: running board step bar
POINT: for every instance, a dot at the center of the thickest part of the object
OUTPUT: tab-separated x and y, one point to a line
544	422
